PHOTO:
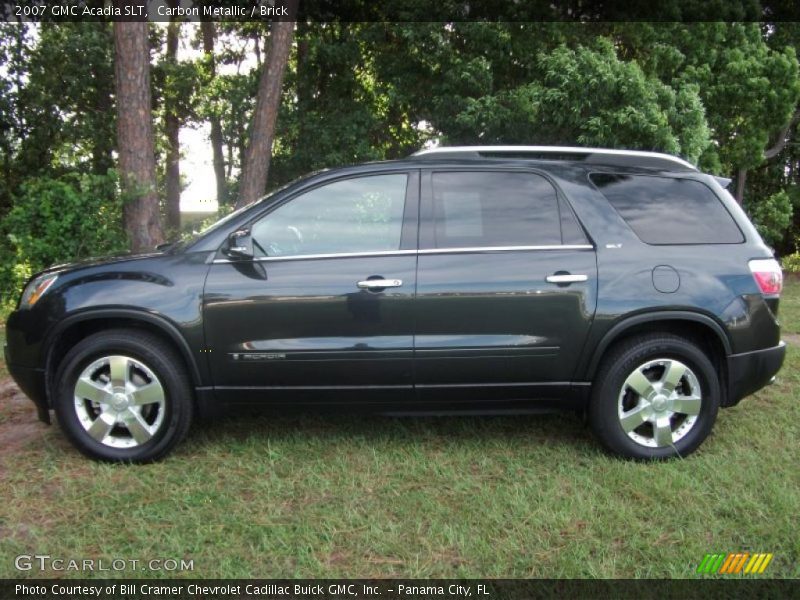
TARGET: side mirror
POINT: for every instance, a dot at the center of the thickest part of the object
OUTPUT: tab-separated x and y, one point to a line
239	245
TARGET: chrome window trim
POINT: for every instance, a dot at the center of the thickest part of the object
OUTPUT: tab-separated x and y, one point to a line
476	249
330	255
505	248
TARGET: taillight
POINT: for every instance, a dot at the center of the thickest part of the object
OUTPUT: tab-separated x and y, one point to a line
768	275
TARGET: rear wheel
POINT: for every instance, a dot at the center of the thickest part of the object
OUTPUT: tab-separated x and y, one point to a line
656	396
123	396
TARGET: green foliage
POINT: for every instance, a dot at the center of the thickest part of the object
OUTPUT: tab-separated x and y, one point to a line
791	262
67	115
552	83
13	48
56	102
750	93
748	83
58	220
232	99
176	84
772	216
351	117
589	97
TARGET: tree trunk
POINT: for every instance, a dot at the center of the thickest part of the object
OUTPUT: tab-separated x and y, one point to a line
171	129
741	177
257	49
137	163
209	34
259	151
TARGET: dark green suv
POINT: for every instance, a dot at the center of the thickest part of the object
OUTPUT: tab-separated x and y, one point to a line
495	279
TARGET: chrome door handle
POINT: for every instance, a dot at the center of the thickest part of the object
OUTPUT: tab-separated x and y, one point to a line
566	278
371	284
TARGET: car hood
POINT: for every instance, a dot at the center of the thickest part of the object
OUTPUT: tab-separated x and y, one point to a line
97	261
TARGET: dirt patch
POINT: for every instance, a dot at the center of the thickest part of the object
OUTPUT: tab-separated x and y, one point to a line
19	532
19	424
791	338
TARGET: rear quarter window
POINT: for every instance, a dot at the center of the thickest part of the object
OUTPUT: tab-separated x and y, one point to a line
666	210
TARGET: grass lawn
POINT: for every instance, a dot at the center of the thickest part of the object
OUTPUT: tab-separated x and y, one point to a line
380	497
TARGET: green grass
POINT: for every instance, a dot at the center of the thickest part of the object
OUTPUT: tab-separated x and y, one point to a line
455	497
790	305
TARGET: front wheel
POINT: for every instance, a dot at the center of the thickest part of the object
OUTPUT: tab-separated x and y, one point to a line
123	396
656	396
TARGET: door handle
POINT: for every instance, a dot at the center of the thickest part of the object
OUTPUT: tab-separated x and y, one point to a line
371	284
566	278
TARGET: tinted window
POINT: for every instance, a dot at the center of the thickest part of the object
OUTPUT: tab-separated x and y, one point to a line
494	209
355	215
663	210
571	231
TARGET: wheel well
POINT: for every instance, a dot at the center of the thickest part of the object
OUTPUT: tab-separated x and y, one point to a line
700	334
80	330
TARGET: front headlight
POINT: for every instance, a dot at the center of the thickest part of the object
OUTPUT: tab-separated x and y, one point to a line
35	289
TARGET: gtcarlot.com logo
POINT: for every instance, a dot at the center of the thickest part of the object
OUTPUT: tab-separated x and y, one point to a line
46	562
735	563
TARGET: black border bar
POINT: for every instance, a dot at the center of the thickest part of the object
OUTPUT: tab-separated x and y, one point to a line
586	11
396	589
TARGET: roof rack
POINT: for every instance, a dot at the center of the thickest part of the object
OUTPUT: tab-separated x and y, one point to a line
605	156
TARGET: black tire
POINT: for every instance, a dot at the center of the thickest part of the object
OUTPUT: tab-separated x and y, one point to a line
621	362
160	359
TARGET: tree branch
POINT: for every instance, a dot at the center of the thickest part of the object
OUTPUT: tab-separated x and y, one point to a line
770	153
783	137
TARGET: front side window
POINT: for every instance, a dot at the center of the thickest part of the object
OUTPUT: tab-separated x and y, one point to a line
492	209
355	215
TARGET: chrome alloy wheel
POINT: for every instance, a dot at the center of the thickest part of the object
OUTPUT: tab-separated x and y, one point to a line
659	403
119	401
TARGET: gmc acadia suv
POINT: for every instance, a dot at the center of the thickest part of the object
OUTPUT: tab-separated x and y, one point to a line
627	285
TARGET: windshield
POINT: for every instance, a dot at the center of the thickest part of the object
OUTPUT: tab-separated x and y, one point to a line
190	238
220	222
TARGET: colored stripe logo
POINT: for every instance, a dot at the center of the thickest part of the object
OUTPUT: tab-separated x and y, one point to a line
735	563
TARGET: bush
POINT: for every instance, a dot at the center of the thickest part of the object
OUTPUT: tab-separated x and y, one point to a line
791	262
772	217
59	220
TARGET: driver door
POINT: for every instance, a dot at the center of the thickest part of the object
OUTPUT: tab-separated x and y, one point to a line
324	309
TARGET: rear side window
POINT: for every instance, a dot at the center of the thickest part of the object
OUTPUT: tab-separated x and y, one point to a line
490	209
664	210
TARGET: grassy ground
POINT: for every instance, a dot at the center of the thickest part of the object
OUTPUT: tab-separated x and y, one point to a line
379	497
790	305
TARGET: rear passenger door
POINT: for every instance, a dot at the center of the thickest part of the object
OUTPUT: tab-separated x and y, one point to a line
506	287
